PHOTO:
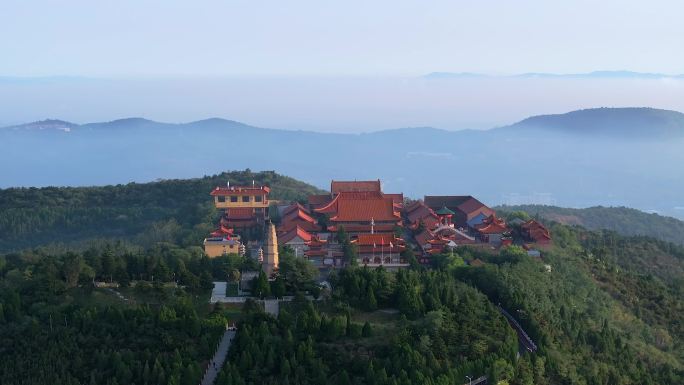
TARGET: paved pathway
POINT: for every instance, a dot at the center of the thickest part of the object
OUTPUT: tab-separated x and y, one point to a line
219	358
524	339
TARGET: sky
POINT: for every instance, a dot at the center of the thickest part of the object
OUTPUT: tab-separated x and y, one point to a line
330	66
380	38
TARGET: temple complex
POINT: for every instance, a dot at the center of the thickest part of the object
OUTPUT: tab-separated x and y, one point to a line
242	206
379	227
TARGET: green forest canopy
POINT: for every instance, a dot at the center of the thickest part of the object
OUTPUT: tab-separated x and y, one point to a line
597	317
179	211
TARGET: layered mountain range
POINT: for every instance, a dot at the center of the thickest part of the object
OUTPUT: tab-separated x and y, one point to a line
607	156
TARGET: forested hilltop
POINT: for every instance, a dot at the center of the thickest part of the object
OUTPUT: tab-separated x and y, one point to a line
179	211
597	313
623	220
602	308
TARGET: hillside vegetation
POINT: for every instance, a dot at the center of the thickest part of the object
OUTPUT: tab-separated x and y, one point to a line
623	220
608	309
178	211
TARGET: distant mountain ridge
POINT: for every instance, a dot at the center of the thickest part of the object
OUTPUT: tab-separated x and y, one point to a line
624	121
619	122
573	159
47	124
620	74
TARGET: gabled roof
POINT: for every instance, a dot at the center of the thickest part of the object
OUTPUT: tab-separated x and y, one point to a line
492	225
464	203
354	186
298	214
471	205
293	207
419	212
377	240
361	207
536	230
240	190
316	201
292	234
437	201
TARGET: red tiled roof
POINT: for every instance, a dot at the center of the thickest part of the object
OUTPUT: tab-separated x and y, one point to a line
536	230
420	212
298	214
361	207
377	239
239	190
471	205
354	186
222	231
396	198
378	228
316	201
292	234
287	226
492	225
294	207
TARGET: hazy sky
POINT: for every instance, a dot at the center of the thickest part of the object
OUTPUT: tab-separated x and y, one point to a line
331	66
387	38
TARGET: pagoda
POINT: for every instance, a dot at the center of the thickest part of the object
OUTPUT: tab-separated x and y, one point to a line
270	262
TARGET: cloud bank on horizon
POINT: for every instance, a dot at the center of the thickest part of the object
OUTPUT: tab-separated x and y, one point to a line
352	66
358	104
